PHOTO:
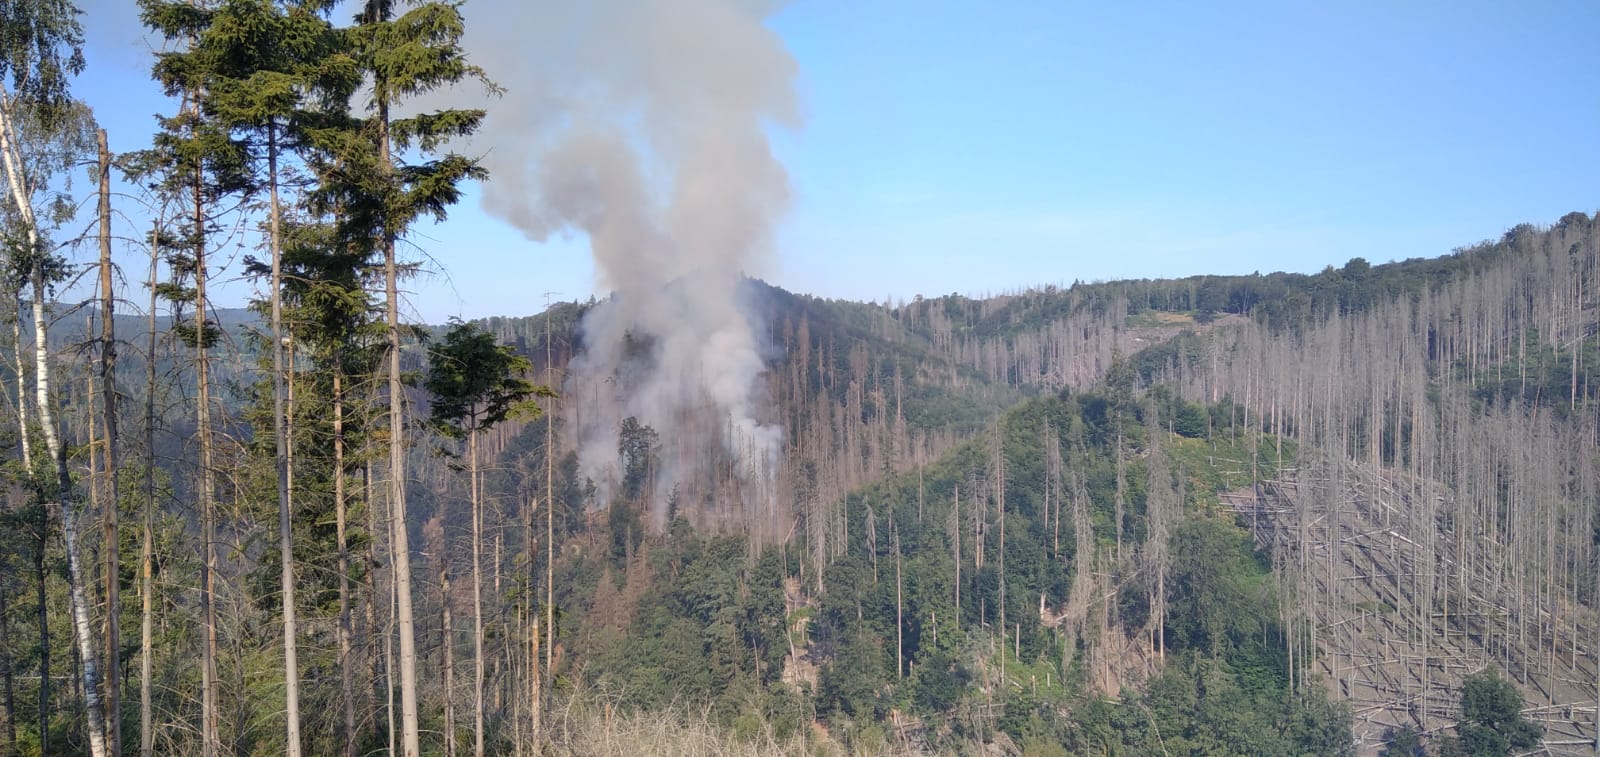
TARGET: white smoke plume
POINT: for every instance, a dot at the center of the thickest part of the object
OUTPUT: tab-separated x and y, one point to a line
642	125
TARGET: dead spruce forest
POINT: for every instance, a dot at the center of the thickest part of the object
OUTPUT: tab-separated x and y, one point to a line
1269	514
1350	512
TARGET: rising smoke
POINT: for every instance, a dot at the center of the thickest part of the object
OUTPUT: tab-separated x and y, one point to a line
641	124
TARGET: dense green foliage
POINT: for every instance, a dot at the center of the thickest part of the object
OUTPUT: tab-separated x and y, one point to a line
1491	719
688	617
476	384
1282	300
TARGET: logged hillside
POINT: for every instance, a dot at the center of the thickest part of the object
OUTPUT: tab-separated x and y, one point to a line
1448	435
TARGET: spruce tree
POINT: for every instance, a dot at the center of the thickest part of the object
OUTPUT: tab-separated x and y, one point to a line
339	326
475	385
389	175
200	161
270	64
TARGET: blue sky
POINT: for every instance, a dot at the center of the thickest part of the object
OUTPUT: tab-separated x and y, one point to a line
983	147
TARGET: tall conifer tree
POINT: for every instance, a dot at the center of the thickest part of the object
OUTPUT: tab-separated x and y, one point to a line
272	63
389	175
202	163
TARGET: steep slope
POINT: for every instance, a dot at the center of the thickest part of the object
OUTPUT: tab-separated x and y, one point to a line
1002	594
1414	442
1443	513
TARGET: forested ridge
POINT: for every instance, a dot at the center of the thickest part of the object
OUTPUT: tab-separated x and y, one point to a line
1329	513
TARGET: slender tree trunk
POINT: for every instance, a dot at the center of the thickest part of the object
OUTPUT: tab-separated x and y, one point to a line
1000	468
447	645
24	431
73	668
210	737
400	539
549	524
1122	484
346	679
870	528
291	666
899	606
538	672
88	421
111	539
531	622
147	540
44	631
535	687
956	515
1159	504
388	669
6	678
1053	485
477	595
379	665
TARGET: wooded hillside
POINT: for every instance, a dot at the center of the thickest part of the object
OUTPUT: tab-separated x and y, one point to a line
1266	514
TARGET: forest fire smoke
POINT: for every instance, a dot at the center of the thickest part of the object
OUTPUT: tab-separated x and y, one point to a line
642	126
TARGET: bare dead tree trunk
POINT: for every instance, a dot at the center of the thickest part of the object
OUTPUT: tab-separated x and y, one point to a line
477	593
955	528
535	682
341	514
1158	507
211	741
1083	583
549	523
111	538
1000	501
447	644
870	530
379	646
899	606
1122	485
280	443
535	686
400	544
147	538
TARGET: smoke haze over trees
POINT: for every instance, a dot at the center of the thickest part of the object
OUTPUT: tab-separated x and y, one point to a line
643	127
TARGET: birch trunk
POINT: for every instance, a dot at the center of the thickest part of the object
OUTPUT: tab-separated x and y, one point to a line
83	631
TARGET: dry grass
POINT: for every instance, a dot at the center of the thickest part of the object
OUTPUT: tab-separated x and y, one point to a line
635	734
589	723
